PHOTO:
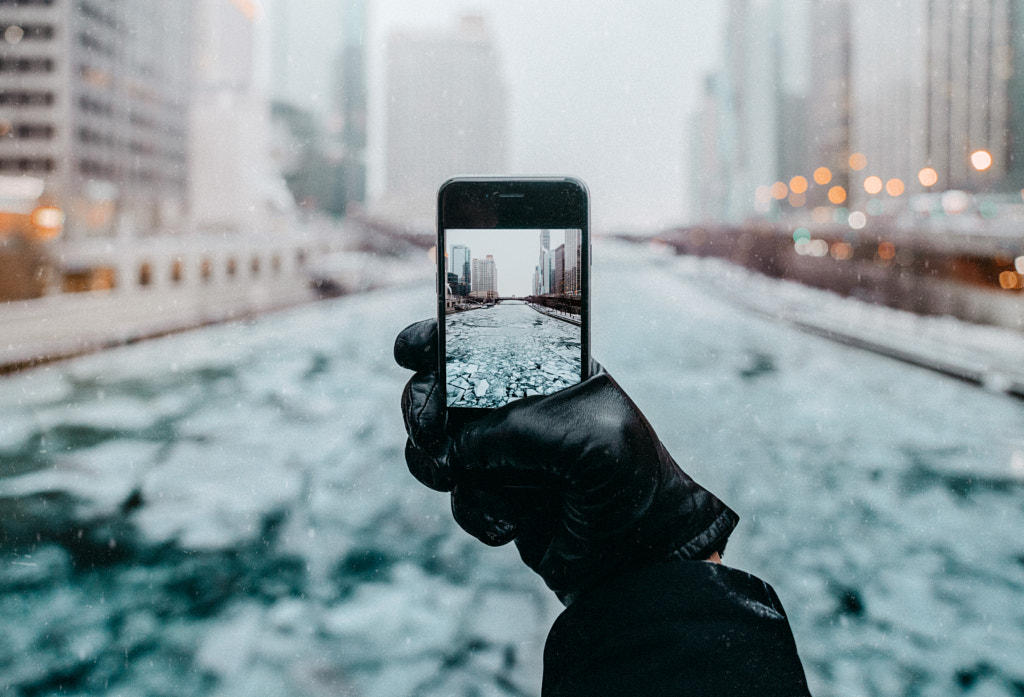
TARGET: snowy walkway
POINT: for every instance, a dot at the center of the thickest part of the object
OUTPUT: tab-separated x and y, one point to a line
988	356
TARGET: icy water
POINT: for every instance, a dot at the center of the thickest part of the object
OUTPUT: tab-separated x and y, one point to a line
227	512
502	353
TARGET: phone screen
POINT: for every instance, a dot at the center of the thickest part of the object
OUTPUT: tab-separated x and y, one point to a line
513	324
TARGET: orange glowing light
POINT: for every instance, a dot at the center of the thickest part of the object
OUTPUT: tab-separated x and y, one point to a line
873	184
779	191
798	185
886	250
836	195
928	177
894	187
858	161
822	176
1010	280
48	222
981	160
842	251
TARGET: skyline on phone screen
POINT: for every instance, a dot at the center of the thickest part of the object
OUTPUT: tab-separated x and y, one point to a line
512	314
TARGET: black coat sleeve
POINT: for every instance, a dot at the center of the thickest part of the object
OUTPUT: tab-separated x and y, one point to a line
678	628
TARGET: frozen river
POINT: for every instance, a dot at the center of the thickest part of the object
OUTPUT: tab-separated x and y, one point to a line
502	353
227	512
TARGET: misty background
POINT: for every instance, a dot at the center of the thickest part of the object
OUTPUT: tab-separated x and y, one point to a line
598	90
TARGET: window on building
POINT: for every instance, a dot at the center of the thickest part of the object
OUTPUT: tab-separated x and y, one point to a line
26	98
34	131
27	65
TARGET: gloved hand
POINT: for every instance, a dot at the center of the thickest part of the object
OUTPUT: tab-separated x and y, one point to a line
578	478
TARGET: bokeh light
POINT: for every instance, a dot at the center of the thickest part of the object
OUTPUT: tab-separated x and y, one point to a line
841	251
822	176
858	220
1018	264
886	250
981	160
779	191
801	233
798	184
837	195
858	161
817	248
929	177
763	194
821	214
894	187
797	200
1010	280
873	184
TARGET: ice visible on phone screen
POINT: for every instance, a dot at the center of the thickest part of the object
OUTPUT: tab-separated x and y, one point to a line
512	314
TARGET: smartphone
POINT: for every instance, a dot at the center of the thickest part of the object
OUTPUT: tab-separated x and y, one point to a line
513	290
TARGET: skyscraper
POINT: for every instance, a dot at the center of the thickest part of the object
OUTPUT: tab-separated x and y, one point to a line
485	278
347	149
573	261
95	101
445	108
544	264
559	277
460	263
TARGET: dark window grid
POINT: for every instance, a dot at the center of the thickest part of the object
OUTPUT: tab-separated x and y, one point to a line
26	99
27	164
27	65
33	131
32	32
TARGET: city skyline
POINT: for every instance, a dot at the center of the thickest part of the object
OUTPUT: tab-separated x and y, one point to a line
617	124
514	253
945	113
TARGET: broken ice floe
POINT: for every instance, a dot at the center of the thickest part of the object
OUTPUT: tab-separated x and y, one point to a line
506	352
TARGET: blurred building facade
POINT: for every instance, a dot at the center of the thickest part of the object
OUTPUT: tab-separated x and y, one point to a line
320	139
233	186
816	103
446	109
96	98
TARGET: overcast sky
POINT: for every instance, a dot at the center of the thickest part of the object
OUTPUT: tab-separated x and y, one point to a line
599	89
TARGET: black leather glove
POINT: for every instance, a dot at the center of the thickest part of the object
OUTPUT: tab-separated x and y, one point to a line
578	479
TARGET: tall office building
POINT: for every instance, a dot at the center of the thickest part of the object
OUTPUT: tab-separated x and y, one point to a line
446	109
346	150
484	283
232	185
96	99
544	264
559	277
460	262
573	261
